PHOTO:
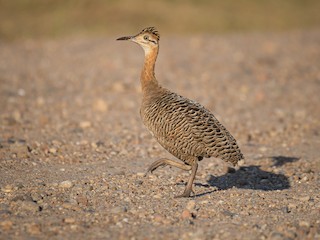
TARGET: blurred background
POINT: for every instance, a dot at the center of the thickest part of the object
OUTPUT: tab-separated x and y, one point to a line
23	19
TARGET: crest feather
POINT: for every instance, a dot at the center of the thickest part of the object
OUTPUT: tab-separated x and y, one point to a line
153	31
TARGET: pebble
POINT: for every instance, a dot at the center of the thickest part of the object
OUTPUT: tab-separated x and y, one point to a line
100	105
186	214
74	227
94	145
157	196
7	189
276	236
65	184
16	115
35	196
21	92
71	206
118	209
158	218
69	220
140	174
85	124
292	206
33	228
28	206
56	143
82	200
52	150
304	198
20	151
263	149
196	234
40	101
6	225
304	224
191	205
118	87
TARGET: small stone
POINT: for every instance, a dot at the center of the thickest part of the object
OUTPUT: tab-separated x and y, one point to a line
28	206
85	124
186	214
35	196
140	174
66	184
304	224
7	189
158	218
21	92
292	206
33	228
118	209
94	145
228	213
304	198
52	150
277	236
285	209
82	142
16	115
157	196
191	205
69	220
40	101
19	150
263	149
138	182
6	225
307	170
118	87
72	206
56	143
82	200
73	227
100	105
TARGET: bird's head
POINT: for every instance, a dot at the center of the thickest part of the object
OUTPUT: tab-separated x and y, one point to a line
148	39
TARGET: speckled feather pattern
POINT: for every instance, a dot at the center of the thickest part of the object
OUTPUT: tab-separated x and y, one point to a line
186	129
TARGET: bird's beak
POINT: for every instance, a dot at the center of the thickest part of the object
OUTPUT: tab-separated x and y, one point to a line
125	38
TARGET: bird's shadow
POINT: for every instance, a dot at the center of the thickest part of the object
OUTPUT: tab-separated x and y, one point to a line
247	177
282	160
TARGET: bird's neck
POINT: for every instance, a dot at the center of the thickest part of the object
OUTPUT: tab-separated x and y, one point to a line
148	79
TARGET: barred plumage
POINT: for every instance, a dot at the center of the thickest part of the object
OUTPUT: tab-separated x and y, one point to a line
183	127
187	129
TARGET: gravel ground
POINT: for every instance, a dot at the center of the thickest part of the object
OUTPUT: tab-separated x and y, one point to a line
73	150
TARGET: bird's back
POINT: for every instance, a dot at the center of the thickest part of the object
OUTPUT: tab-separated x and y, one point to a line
186	129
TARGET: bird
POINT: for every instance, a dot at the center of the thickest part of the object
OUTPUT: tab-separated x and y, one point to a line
182	126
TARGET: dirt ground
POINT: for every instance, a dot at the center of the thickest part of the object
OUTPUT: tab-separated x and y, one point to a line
73	150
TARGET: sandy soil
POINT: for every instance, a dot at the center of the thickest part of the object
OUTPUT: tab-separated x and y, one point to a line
73	150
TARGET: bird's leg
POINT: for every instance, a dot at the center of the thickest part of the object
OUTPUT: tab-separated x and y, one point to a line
164	162
188	190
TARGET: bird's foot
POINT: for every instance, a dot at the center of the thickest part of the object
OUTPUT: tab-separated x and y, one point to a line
186	194
155	165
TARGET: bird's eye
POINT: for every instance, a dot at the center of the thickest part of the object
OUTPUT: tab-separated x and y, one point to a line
146	37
